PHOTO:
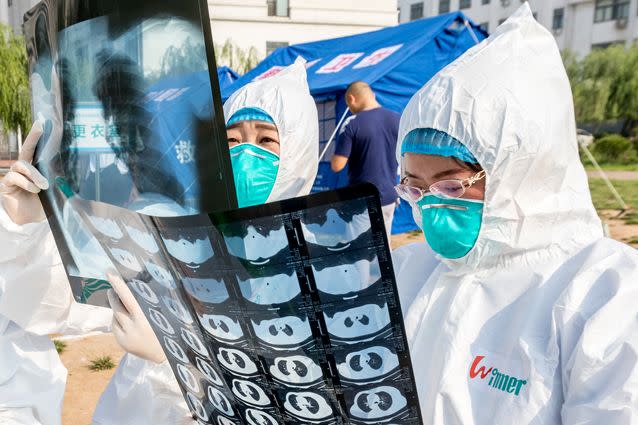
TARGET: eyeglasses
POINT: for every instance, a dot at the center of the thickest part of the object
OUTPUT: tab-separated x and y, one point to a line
450	189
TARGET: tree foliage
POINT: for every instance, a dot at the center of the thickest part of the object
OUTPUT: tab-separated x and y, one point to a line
14	81
614	149
192	55
605	85
179	60
236	58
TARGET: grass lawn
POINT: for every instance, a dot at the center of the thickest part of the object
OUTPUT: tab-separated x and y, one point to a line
607	167
604	200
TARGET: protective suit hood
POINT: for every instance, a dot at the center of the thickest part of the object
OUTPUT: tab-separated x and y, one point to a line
286	98
508	100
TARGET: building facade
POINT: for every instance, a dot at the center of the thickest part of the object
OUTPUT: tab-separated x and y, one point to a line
268	24
577	25
12	12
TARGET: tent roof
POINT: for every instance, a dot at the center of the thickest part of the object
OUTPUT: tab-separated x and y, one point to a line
334	64
226	76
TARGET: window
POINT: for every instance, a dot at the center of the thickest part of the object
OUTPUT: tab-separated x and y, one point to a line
608	10
416	11
557	20
271	46
465	4
444	6
485	26
485	1
278	8
605	45
327	123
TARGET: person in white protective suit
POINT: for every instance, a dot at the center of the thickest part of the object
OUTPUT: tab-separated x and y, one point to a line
274	142
35	301
517	309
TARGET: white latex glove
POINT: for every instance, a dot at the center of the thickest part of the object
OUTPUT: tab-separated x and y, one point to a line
130	327
22	183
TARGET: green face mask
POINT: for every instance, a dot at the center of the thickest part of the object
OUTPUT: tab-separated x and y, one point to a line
255	171
451	226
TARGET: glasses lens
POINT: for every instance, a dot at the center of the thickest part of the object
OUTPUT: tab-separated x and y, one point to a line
448	189
409	193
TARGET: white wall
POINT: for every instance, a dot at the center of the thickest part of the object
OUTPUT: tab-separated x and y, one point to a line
579	32
247	24
4	12
15	13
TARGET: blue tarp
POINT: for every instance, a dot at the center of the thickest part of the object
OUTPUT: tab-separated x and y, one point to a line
174	104
226	76
396	61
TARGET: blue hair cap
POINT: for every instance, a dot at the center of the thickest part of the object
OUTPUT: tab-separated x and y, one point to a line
249	114
428	141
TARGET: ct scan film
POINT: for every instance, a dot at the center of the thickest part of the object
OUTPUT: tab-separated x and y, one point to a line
128	94
286	313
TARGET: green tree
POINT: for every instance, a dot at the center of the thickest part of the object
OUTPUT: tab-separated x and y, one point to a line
14	81
189	56
623	91
605	85
614	149
236	58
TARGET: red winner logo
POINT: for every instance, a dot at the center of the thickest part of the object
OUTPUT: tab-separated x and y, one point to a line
474	372
498	380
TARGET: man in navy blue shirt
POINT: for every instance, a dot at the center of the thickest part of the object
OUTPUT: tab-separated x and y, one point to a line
367	143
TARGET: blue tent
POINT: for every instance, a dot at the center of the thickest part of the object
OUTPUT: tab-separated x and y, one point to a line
174	104
226	76
396	61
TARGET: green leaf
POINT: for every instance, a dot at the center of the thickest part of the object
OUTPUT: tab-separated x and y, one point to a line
14	81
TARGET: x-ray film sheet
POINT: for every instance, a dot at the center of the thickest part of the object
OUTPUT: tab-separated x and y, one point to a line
285	313
132	117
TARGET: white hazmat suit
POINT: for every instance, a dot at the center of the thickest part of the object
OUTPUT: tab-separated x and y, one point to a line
146	393
35	301
538	324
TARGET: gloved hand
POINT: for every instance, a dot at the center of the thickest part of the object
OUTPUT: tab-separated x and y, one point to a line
22	183
130	327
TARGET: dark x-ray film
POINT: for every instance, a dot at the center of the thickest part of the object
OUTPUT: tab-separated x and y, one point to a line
286	313
128	93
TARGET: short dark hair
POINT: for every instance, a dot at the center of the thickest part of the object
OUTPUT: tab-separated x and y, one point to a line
357	88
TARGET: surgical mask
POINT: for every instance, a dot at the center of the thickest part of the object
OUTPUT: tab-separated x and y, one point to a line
451	226
255	171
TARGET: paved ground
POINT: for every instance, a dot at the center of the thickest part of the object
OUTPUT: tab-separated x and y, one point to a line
84	386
